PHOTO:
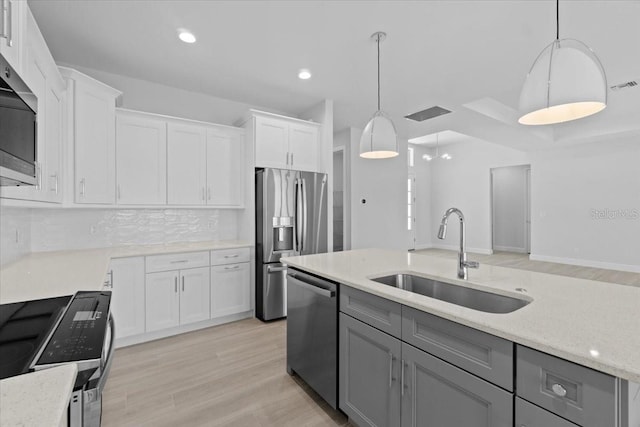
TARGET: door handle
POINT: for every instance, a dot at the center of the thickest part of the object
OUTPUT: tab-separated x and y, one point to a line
275	269
83	187
402	378
175	284
391	368
182	283
208	193
235	267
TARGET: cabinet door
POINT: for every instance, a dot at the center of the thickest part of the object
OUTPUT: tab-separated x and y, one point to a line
271	141
187	164
13	25
162	300
127	297
303	147
225	169
439	394
230	286
369	374
141	160
94	123
194	295
53	161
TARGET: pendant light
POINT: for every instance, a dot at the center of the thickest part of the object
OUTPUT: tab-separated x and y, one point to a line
566	82
379	139
444	156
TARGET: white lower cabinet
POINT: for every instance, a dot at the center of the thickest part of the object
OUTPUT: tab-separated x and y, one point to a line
194	295
162	306
230	289
177	297
126	281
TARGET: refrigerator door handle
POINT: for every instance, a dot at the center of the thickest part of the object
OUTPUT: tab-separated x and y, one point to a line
305	218
299	215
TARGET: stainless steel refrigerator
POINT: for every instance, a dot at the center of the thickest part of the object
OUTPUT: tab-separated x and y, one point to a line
291	219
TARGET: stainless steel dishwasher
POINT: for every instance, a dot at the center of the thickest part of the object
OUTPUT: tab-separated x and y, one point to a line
312	332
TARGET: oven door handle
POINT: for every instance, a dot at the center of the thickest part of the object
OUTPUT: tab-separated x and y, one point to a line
109	359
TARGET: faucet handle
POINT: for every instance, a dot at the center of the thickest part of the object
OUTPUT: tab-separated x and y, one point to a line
471	264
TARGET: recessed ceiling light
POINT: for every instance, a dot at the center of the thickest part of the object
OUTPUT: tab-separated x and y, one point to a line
304	74
186	36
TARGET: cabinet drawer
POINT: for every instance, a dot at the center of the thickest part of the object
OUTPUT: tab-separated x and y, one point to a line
529	415
230	256
176	261
574	392
482	354
375	311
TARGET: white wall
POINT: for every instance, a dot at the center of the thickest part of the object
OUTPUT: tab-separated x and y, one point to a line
586	204
464	182
424	223
509	208
15	233
161	99
383	184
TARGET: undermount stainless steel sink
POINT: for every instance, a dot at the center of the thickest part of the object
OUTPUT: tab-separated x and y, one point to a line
454	294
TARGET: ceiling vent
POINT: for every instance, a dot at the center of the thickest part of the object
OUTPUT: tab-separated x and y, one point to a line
625	85
427	114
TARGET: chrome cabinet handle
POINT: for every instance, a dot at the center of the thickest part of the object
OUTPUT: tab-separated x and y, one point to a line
231	256
559	390
3	33
175	284
291	159
208	193
287	157
118	191
179	261
235	267
109	282
83	187
402	378
182	283
7	30
391	368
55	185
203	197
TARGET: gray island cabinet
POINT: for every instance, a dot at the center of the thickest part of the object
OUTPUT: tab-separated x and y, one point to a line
399	366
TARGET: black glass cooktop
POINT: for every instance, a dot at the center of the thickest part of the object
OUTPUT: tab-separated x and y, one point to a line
23	328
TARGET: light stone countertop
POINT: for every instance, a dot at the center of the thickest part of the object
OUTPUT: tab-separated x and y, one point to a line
50	274
595	324
37	399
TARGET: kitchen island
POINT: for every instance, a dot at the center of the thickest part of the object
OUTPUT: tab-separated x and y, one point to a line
588	323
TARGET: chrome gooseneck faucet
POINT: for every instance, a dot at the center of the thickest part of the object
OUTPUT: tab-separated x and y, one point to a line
463	264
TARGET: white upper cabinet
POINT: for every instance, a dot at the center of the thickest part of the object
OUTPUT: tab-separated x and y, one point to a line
225	168
93	116
303	147
272	143
141	159
284	143
187	164
13	15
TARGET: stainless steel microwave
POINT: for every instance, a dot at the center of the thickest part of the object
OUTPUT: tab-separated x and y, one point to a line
18	129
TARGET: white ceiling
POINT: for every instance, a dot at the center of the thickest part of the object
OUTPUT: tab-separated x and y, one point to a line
467	56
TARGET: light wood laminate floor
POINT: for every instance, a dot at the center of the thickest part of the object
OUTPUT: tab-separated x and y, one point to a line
522	262
228	375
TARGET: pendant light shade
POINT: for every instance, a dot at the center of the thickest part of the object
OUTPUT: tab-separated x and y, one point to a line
379	139
566	82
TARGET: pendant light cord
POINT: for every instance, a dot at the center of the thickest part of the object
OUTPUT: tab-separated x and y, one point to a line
557	19
378	41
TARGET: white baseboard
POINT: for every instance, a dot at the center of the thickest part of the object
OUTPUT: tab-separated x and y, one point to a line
156	335
586	263
509	249
455	248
